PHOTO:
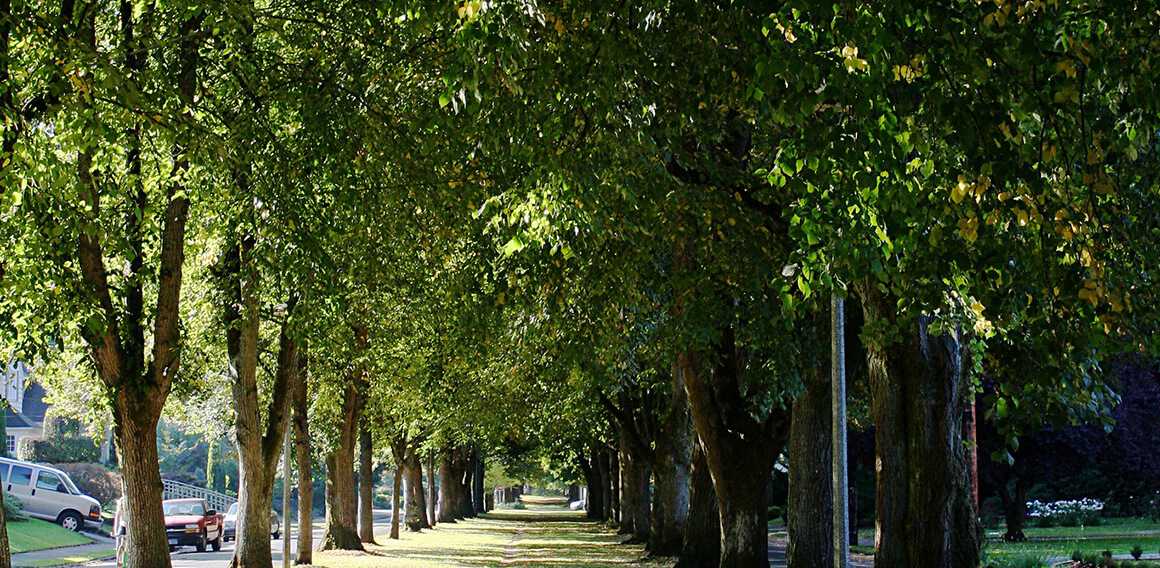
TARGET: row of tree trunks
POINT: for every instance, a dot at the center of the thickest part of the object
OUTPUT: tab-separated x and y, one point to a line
811	513
366	476
918	387
671	463
702	539
612	503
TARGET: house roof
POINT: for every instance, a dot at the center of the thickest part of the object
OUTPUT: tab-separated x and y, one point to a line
34	410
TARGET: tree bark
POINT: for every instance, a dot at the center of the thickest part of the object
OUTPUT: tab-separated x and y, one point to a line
594	480
432	498
366	512
448	486
637	477
612	503
702	538
302	454
396	502
477	483
672	460
739	449
341	517
918	387
416	497
810	516
464	473
1014	509
626	489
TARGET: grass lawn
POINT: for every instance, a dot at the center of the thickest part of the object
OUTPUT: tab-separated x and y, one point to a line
70	559
1116	544
545	533
34	534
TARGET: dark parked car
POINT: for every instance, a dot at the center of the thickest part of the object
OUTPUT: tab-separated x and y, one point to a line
190	522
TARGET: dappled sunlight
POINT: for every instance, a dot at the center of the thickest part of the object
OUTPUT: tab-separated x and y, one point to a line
544	534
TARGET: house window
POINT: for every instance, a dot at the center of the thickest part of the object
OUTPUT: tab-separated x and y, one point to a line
10	445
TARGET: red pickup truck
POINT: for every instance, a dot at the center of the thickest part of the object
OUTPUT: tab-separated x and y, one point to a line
190	522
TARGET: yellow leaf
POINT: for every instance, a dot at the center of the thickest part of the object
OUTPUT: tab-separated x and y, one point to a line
969	228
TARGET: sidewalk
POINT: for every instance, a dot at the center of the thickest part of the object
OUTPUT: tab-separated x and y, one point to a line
79	554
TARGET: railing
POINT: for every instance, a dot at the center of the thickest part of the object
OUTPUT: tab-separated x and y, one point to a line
178	490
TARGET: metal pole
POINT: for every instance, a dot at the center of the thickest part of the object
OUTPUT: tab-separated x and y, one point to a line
841	481
286	499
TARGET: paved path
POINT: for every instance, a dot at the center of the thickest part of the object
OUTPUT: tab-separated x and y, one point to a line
99	544
777	546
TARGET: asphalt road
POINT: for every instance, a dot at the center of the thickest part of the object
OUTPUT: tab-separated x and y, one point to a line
190	558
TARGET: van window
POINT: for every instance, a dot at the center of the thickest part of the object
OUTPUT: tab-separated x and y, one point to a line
50	481
4	468
21	475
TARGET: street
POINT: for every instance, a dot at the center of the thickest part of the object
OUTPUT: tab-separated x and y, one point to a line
190	558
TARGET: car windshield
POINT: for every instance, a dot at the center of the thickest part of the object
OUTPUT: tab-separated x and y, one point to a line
233	509
184	508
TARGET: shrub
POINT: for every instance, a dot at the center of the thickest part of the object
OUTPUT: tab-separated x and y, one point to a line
774	512
519	505
1076	556
1071	513
94	480
14	508
1137	552
59	450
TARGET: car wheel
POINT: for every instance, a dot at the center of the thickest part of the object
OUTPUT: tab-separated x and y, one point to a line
276	535
71	520
201	544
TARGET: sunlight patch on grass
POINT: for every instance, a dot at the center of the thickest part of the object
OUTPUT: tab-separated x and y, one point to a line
551	536
34	534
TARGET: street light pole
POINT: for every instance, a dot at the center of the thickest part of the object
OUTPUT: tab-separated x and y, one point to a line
286	499
838	402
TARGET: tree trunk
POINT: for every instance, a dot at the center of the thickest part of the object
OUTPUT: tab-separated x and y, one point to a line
136	431
612	502
810	516
674	452
341	517
918	387
477	484
593	480
366	474
739	450
1014	510
258	447
416	498
432	498
702	538
628	490
448	501
640	473
465	468
396	501
305	470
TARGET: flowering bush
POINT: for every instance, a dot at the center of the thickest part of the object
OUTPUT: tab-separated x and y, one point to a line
1071	513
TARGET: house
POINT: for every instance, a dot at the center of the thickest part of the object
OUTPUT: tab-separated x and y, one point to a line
24	416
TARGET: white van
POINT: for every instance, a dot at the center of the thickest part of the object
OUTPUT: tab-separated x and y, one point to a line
48	493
